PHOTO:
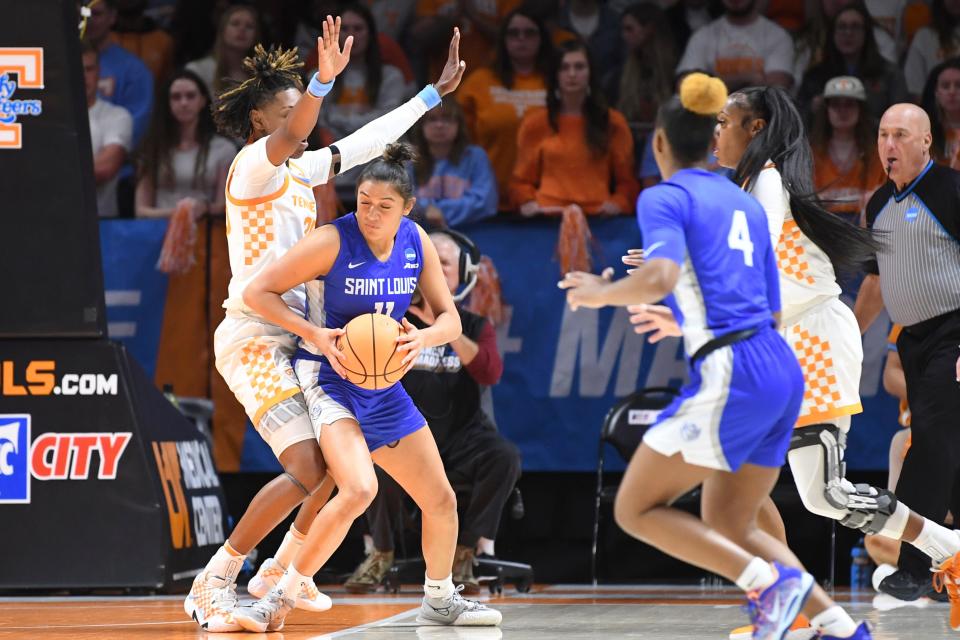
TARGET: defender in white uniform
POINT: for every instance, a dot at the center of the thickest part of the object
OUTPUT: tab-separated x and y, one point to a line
270	207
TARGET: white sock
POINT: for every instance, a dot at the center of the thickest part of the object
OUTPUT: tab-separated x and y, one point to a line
834	622
438	588
485	545
291	580
937	542
225	563
758	574
896	523
289	547
368	547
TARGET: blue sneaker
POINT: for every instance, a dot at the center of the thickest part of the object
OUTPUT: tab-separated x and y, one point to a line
862	633
773	610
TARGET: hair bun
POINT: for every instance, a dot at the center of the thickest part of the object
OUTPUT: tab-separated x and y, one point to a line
399	153
703	94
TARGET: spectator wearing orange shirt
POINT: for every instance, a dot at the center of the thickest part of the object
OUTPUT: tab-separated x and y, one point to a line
847	169
941	101
141	36
495	99
577	150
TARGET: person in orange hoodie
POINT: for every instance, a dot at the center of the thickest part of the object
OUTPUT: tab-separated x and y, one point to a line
577	151
495	99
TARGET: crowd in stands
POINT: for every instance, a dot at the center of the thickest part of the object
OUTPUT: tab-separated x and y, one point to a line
556	89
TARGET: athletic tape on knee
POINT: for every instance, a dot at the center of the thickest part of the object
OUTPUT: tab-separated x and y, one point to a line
298	484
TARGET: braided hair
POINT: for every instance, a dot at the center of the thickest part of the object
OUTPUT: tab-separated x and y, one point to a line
783	141
270	72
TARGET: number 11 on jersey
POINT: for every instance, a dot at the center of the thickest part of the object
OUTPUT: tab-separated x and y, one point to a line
739	237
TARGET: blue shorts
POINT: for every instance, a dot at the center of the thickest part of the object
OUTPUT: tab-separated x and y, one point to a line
740	407
384	416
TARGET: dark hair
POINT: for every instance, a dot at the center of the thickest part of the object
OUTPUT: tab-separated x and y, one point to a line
156	156
648	73
391	168
502	67
864	134
87	47
871	64
595	109
271	72
938	148
783	141
220	69
423	167
944	23
689	134
372	58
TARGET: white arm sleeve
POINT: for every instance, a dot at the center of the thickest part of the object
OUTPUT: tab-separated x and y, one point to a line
369	141
769	192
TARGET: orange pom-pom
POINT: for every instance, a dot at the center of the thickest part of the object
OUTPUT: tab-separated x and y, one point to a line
486	299
573	244
177	253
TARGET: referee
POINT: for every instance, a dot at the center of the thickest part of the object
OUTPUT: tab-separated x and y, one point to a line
917	215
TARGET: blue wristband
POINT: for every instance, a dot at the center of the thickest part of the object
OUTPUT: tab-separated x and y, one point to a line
319	89
430	96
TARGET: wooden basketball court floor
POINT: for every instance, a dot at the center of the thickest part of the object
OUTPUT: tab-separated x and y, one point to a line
559	611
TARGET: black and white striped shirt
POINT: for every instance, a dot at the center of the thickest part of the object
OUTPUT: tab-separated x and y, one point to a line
919	265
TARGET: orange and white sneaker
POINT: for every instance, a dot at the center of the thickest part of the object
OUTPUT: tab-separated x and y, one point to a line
799	630
211	602
947	576
309	599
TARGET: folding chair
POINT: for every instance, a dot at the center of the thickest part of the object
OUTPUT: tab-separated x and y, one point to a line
623	429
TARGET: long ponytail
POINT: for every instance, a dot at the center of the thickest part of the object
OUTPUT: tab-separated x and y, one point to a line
783	141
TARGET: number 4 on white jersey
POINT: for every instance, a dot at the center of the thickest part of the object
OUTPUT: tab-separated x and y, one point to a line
739	237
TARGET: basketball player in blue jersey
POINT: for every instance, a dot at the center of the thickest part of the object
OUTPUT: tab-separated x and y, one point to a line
368	261
707	242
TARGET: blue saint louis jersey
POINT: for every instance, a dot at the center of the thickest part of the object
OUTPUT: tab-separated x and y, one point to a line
359	283
718	235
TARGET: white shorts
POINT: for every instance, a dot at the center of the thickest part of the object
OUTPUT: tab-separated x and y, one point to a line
254	359
322	408
827	344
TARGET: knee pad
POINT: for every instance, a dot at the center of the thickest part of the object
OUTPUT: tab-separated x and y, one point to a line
816	458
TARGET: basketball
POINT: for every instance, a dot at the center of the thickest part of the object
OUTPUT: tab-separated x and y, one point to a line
370	346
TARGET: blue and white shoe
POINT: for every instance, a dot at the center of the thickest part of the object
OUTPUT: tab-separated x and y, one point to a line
774	609
862	633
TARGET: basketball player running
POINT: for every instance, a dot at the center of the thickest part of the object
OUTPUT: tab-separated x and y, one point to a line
730	428
270	206
369	262
760	135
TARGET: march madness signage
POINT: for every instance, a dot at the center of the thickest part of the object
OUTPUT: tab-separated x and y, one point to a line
87	443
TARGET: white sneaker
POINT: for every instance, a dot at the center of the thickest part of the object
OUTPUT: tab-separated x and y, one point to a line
211	602
309	598
457	611
266	614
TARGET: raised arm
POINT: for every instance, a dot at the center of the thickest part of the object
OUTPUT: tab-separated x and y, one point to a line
283	142
368	142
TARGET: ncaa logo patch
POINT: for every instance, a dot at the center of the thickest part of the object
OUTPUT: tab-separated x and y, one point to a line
409	254
911	214
14	459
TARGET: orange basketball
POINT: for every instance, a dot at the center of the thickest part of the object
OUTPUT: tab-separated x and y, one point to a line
370	346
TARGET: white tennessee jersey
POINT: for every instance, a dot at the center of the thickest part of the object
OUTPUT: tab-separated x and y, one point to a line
269	209
807	278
